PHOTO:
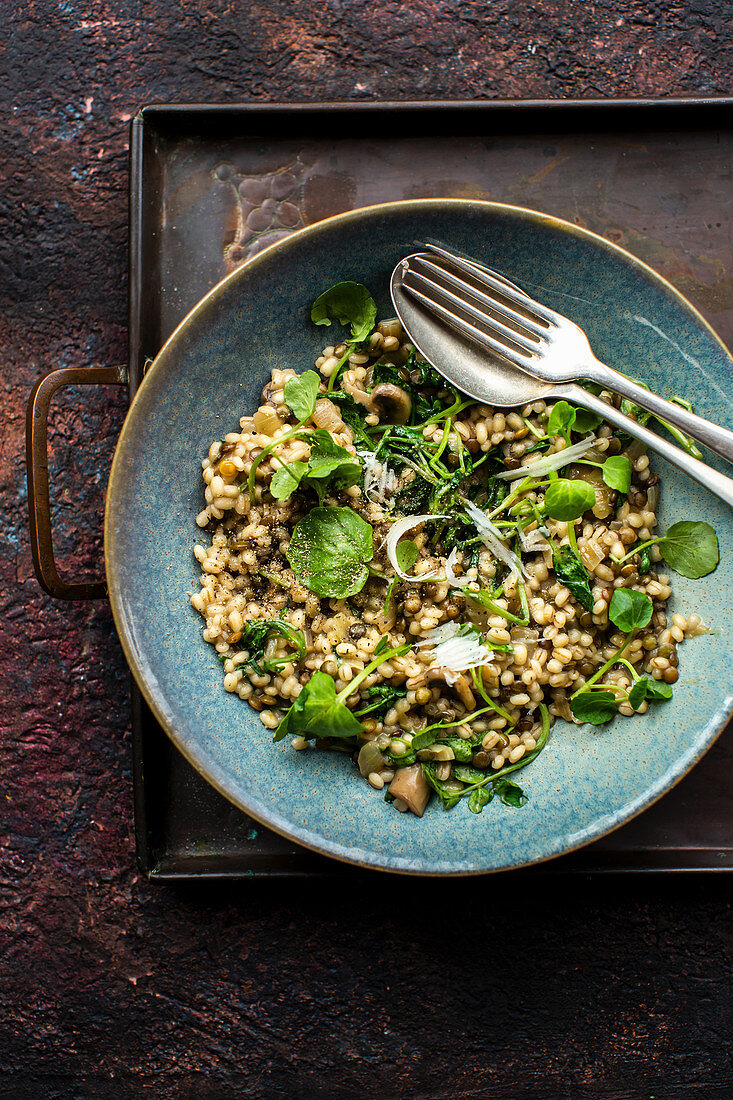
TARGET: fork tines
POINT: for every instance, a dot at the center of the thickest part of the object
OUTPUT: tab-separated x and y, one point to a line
476	302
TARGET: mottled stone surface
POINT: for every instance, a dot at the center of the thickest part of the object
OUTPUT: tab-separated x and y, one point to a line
109	986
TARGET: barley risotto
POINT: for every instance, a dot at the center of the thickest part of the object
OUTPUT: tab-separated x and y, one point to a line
423	583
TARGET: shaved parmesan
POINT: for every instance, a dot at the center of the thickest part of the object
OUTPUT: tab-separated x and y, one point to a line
492	539
532	541
379	481
456	647
550	462
397	530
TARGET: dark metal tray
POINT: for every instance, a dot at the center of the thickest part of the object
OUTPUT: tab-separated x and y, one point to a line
211	185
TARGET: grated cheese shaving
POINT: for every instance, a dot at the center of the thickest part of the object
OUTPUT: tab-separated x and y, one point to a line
550	462
493	540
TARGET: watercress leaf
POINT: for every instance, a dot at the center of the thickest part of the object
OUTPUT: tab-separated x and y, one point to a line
382	645
318	713
329	549
351	304
406	554
691	548
286	479
510	793
570	570
479	798
448	797
327	456
654	690
330	462
301	392
630	610
616	472
637	694
586	421
561	419
565	499
657	691
595	707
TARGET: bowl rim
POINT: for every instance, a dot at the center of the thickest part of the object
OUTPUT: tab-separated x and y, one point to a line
152	694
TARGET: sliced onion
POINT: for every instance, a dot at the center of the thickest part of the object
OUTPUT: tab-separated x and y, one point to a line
550	462
492	539
397	530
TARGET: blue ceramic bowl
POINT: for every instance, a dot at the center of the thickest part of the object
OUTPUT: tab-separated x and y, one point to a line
588	780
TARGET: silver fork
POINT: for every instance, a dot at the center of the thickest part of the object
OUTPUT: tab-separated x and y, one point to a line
493	312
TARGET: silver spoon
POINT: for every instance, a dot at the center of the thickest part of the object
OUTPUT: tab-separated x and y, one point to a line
476	372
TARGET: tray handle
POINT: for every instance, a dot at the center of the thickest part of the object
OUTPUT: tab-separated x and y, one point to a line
39	506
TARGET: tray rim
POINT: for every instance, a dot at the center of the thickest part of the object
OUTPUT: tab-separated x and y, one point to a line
637	861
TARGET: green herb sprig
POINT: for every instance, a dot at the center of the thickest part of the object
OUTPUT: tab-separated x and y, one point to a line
300	395
630	611
320	712
690	547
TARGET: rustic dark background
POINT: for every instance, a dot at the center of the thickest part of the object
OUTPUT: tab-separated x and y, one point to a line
111	987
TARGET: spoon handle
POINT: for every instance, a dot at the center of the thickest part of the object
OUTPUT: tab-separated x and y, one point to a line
711	435
705	475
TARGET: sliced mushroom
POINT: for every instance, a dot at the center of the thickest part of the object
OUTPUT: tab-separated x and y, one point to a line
392	403
267	393
456	681
410	785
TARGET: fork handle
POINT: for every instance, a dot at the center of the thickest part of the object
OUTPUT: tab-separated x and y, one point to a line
711	435
709	478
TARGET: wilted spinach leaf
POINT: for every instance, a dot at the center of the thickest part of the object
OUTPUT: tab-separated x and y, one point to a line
255	635
510	793
381	698
573	574
448	797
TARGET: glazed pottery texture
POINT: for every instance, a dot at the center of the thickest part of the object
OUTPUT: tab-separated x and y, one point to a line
588	780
